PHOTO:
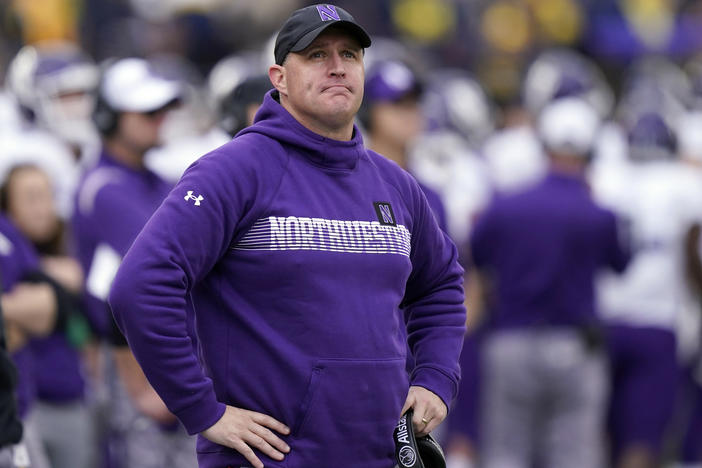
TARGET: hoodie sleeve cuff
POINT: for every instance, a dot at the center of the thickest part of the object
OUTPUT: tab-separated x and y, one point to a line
201	416
436	382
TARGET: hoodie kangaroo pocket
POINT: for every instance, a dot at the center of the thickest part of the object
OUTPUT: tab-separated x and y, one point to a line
348	414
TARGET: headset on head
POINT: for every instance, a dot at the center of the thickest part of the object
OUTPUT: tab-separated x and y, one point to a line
234	106
105	116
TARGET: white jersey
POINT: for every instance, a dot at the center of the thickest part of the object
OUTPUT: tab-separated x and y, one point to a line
659	201
50	154
443	161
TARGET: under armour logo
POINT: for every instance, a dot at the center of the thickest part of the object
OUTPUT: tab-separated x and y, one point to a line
197	199
328	13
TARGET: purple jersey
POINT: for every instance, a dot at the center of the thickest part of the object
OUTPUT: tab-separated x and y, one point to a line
543	247
17	258
59	377
112	205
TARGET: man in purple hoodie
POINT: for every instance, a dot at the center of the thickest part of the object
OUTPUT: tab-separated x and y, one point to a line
536	252
297	248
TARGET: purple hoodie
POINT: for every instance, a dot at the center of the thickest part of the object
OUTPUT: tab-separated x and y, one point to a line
298	252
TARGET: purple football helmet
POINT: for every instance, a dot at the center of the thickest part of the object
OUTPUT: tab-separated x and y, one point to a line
650	137
454	100
55	84
558	73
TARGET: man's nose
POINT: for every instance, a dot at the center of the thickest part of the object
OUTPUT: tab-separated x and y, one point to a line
336	67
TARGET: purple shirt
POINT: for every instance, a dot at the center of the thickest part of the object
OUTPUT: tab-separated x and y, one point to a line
542	247
58	376
17	258
113	203
17	255
299	252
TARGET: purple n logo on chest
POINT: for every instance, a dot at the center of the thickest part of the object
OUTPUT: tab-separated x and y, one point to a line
385	214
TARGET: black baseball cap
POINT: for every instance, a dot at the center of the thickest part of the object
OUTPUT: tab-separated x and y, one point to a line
305	24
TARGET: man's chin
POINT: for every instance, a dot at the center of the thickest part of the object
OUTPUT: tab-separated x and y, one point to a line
340	120
341	113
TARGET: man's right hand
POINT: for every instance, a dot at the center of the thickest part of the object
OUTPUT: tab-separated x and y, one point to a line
244	430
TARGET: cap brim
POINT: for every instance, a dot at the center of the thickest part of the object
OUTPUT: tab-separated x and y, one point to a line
130	85
355	30
397	95
147	97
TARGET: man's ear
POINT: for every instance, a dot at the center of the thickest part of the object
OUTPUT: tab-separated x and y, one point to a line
276	73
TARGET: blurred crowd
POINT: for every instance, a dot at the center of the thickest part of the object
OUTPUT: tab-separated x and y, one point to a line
485	102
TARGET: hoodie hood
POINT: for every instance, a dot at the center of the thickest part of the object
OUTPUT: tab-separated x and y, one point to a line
274	121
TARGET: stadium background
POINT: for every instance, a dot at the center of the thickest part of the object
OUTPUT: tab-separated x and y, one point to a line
494	41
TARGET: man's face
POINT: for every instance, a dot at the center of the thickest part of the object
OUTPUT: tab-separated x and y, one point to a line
141	131
31	204
397	122
322	86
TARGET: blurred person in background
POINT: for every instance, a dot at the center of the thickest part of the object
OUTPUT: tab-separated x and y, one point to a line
30	308
455	100
660	199
239	107
544	382
513	154
392	117
561	72
459	116
190	129
53	84
61	417
232	70
183	143
114	200
690	150
10	424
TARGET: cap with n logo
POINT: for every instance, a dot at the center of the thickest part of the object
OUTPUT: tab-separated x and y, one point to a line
305	24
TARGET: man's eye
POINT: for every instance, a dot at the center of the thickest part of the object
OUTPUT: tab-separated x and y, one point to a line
349	54
317	54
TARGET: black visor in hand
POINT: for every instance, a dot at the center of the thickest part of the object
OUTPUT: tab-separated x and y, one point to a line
415	452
